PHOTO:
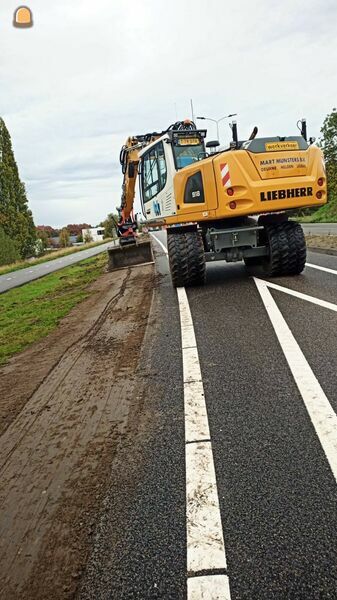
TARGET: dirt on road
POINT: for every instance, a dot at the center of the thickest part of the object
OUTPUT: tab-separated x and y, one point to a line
66	404
326	242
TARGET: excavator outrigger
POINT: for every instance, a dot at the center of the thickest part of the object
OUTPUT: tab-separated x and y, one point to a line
228	204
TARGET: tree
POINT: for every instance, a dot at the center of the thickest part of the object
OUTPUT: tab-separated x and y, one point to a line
328	143
88	237
15	217
76	228
50	231
64	237
43	238
110	226
9	251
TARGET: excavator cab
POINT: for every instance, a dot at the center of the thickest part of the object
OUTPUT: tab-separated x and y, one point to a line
175	150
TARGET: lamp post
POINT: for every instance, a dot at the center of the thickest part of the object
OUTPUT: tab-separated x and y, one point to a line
217	121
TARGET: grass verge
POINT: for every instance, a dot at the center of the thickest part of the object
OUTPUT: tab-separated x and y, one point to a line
56	254
30	312
324	214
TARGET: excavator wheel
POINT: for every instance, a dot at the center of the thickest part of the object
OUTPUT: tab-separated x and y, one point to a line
187	258
287	250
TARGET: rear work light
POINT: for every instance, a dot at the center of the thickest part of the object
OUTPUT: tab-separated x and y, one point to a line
319	195
230	192
232	204
320	181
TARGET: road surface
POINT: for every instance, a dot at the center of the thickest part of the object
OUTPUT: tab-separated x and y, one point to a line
320	228
237	501
22	276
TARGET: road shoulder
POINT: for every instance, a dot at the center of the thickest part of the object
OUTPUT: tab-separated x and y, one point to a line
69	402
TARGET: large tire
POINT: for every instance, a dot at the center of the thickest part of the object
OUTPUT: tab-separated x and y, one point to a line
297	248
287	249
187	258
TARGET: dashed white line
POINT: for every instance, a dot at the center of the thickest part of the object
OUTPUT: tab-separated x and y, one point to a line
317	404
205	542
209	587
326	269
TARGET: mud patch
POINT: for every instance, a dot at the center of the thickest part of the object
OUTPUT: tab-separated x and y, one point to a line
67	404
326	242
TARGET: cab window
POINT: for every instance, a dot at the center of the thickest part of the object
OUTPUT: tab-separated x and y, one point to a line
154	172
186	155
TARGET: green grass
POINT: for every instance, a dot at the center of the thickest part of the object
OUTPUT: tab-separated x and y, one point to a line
22	264
324	214
30	312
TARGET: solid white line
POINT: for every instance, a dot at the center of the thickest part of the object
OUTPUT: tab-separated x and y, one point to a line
292	292
326	269
209	587
160	243
317	404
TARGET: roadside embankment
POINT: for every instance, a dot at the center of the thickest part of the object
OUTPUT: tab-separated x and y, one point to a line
322	243
23	264
30	312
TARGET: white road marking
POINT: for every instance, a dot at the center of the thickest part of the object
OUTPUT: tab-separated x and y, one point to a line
160	243
317	404
326	269
209	587
9	278
205	542
196	420
292	292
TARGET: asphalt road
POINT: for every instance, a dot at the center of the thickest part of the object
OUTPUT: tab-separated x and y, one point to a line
268	372
22	276
320	228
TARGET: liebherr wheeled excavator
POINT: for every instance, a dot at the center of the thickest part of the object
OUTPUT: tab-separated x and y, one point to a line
228	204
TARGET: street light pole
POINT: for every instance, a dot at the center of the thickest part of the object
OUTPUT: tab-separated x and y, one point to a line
217	121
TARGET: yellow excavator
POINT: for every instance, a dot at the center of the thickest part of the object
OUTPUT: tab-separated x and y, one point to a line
230	204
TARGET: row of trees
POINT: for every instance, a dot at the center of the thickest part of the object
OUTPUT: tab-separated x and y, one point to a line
328	143
17	229
74	229
19	238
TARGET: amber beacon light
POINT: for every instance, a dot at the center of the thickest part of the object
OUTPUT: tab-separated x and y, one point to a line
23	17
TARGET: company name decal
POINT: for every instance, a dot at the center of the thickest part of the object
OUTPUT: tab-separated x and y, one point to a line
283	194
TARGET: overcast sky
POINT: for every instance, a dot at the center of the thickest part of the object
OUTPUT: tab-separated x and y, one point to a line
89	73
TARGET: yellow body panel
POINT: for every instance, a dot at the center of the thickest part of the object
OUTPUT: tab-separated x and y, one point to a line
271	181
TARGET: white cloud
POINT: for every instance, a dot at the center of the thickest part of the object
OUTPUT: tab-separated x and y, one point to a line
91	73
